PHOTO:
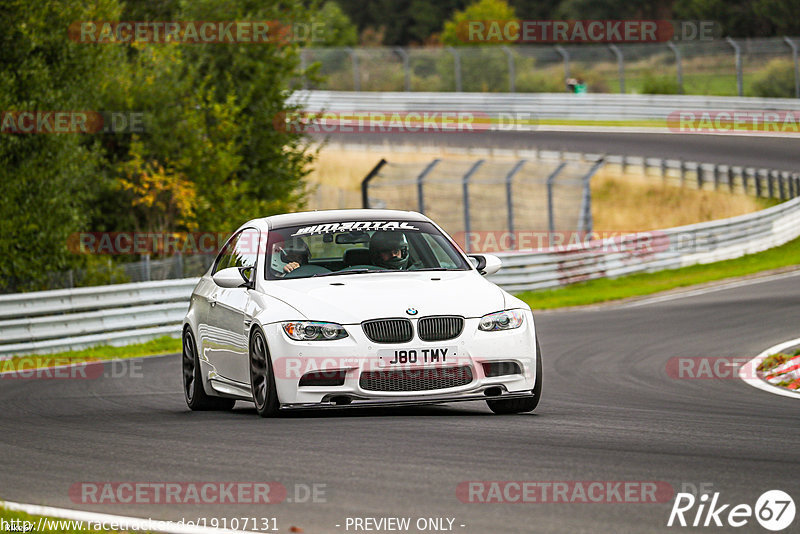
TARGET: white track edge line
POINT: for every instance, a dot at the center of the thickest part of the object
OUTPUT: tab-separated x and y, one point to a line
721	287
142	524
747	372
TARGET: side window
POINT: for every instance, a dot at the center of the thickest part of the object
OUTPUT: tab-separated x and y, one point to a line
224	258
240	251
245	250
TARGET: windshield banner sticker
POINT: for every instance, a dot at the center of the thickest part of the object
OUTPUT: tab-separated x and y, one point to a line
354	225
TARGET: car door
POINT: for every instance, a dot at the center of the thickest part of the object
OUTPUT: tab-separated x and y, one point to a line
229	310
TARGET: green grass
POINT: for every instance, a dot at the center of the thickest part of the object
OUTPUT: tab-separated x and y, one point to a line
30	522
161	345
605	289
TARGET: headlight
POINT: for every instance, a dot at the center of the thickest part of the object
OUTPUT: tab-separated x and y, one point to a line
314	331
504	320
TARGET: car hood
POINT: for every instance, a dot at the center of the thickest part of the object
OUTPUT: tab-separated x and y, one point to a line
350	299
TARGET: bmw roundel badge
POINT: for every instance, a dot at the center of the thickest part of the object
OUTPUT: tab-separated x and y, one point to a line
412	311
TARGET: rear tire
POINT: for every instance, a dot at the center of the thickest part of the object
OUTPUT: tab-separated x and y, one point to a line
262	379
196	397
527	404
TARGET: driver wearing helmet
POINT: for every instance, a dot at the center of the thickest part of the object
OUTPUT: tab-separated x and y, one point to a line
295	253
389	250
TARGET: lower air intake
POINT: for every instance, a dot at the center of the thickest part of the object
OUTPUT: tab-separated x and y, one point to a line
416	379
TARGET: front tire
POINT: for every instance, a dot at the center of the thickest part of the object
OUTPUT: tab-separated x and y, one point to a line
262	379
527	404
196	397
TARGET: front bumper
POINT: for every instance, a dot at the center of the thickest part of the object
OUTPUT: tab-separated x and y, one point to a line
405	401
356	354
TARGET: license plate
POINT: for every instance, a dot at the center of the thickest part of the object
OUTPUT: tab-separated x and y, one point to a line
418	356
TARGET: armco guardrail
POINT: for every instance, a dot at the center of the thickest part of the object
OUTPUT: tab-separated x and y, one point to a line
64	319
132	313
539	105
651	251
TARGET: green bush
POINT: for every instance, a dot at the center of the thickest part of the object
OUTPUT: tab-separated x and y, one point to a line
776	80
659	85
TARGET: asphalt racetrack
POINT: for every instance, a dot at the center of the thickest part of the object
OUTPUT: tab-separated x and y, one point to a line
610	412
761	151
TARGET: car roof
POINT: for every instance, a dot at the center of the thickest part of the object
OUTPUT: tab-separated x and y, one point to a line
327	216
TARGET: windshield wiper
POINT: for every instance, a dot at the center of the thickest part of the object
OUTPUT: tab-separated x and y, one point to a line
351	271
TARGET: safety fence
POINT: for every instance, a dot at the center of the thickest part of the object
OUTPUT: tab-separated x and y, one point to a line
650	251
49	321
519	112
467	196
716	66
68	319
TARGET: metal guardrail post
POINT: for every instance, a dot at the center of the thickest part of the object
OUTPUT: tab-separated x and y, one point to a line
793	46
565	56
551	220
366	180
512	74
356	74
400	51
683	173
465	187
771	183
678	64
146	265
738	51
456	66
730	178
757	179
510	199
782	184
585	223
620	66
420	180
699	169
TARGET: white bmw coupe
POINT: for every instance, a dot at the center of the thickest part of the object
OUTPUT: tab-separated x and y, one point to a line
350	308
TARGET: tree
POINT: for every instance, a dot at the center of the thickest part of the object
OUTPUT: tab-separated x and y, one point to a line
47	181
338	29
455	32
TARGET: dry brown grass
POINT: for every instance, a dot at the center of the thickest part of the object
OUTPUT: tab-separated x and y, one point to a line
346	169
635	202
620	202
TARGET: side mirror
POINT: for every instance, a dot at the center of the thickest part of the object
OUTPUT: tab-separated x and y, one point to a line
486	264
234	277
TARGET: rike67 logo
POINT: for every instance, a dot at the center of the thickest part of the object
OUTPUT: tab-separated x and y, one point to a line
774	510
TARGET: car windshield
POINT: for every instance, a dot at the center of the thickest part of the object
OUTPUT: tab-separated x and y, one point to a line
356	247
